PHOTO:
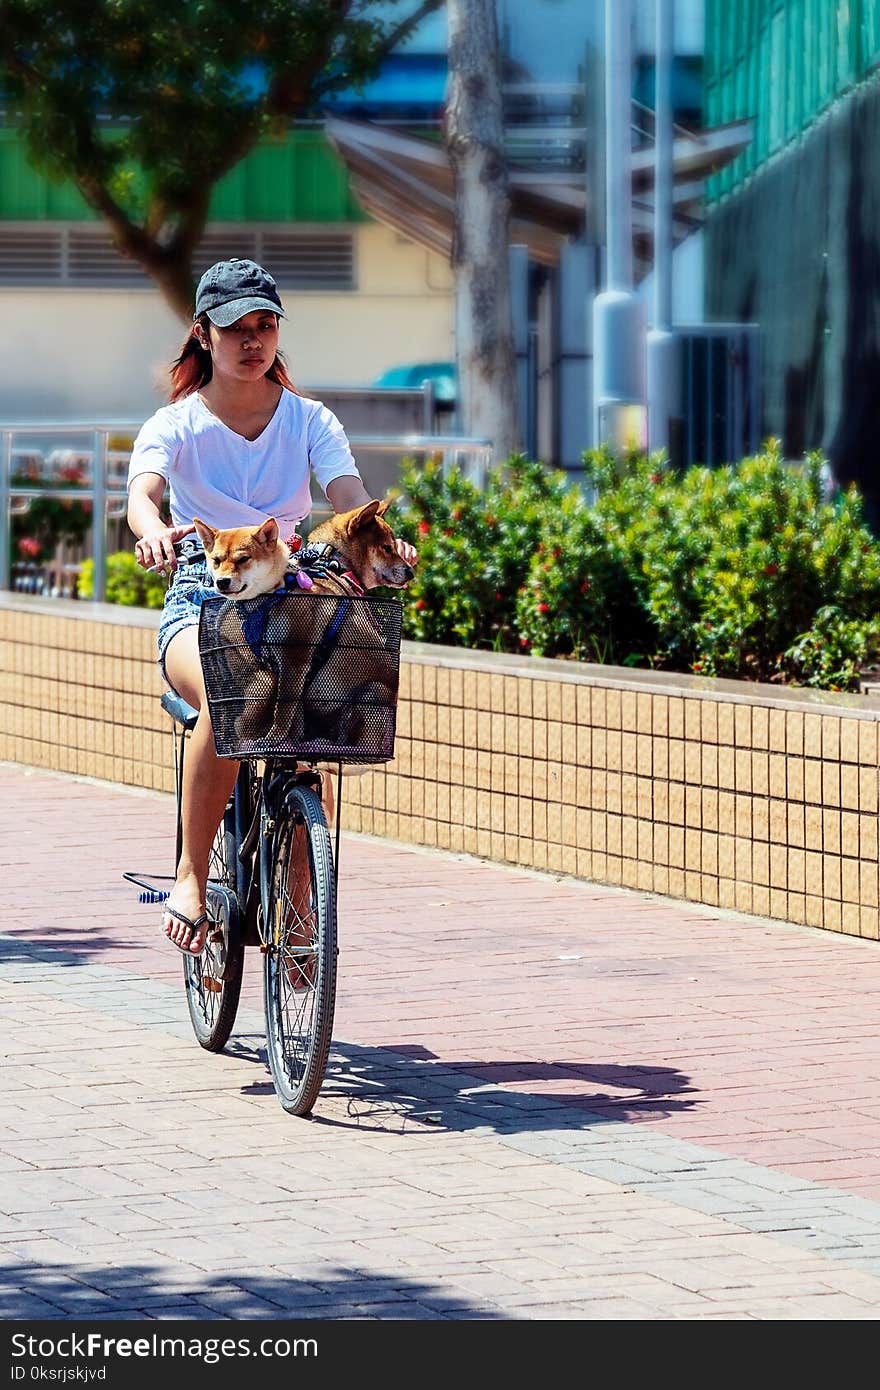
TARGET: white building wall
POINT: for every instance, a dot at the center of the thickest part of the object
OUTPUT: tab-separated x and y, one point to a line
89	354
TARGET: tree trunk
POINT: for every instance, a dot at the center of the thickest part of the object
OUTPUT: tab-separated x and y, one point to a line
475	143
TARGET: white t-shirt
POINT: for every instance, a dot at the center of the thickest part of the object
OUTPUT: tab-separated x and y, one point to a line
227	480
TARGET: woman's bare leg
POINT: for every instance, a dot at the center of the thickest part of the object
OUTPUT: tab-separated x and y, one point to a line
207	786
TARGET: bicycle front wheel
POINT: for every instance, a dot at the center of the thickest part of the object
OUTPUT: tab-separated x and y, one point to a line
299	958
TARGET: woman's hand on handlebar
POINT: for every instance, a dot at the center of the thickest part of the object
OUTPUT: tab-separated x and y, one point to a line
155	549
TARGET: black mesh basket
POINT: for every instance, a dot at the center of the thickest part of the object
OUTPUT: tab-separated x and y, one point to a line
303	675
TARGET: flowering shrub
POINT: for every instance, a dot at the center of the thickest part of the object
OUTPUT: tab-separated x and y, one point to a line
475	547
48	520
748	570
127	583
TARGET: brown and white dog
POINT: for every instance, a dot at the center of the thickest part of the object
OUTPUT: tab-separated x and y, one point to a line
246	562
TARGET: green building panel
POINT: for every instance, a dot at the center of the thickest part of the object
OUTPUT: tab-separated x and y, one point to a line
294	178
781	63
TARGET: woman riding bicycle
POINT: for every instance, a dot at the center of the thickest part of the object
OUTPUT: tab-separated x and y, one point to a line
235	444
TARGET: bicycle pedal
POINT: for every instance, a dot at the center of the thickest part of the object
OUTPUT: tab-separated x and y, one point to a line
153	895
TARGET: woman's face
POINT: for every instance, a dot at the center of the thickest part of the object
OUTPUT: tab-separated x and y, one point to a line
246	349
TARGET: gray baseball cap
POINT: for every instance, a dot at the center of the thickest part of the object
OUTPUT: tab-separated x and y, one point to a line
230	289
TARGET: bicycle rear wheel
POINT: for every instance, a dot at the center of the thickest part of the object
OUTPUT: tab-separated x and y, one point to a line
213	979
299	958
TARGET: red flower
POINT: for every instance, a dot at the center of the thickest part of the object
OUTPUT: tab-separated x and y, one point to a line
656	477
543	608
771	569
420	604
456	514
29	546
424	528
524	641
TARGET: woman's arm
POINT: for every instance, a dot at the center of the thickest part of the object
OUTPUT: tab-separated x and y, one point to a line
346	493
155	548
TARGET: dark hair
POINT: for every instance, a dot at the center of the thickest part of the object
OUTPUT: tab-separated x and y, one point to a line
194	368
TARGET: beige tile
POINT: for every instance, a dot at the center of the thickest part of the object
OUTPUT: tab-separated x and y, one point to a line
869	927
709	809
812	789
693	711
726	893
708	721
676	846
868	780
868	885
675	750
830	831
660	843
849	786
628	711
777	830
813	735
675	713
612	709
868	741
849	740
761	864
831	784
794	732
831	876
776	770
660	715
742	771
831	737
778	866
726	767
742	725
628	749
761	773
645	754
743	816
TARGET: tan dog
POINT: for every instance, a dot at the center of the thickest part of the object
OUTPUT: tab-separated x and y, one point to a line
292	699
244	561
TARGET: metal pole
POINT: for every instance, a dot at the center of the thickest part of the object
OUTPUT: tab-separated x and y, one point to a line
5	519
618	323
99	514
662	347
663	196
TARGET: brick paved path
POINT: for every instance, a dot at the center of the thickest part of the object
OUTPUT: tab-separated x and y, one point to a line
548	1099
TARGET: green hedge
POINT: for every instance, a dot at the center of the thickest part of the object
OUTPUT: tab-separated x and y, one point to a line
747	571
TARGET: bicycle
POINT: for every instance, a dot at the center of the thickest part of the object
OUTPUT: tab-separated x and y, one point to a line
273	872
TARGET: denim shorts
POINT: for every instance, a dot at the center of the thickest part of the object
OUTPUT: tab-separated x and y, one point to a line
187	592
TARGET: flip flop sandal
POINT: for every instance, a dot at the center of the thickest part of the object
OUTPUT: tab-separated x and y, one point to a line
193	925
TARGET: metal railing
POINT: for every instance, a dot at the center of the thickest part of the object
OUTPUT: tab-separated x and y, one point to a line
33	458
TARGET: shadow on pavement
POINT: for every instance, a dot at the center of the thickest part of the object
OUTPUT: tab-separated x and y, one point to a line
386	1089
142	1290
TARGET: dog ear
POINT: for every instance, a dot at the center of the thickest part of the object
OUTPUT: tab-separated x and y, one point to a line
205	533
268	532
383	506
363	516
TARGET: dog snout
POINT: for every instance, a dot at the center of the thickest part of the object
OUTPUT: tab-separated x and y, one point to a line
223	584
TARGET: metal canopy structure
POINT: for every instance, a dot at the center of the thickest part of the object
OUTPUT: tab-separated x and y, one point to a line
406	182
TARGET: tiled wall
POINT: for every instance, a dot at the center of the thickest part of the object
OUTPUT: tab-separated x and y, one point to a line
722	792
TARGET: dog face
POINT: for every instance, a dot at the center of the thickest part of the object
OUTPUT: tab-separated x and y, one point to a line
244	561
366	542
